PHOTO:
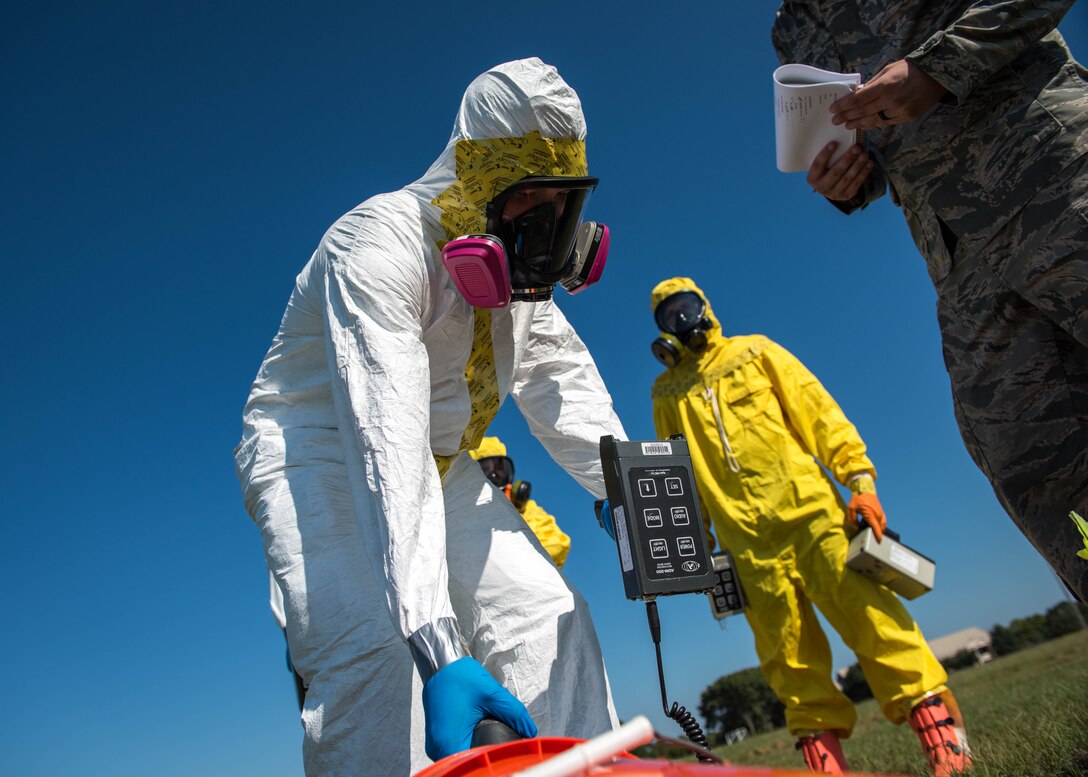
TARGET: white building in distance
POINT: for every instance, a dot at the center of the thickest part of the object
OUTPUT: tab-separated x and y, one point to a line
973	639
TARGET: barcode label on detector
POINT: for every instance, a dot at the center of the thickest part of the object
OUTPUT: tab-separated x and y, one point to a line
657	449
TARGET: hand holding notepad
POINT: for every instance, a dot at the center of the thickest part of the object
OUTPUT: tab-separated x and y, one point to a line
802	120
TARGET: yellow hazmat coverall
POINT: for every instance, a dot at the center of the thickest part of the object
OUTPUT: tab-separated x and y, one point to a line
542	523
756	422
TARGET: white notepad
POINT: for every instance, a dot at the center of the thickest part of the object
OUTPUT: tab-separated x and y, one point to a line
802	121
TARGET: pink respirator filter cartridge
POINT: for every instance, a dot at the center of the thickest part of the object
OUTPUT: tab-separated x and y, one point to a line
477	265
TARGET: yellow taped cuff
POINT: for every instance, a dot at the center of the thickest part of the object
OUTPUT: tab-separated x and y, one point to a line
862	484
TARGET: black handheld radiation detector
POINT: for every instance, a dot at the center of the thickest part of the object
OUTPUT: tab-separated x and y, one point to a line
655	511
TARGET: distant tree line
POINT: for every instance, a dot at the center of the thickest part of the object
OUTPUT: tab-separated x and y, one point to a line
745	699
1035	629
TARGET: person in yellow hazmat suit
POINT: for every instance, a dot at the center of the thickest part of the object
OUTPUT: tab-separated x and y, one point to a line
499	469
759	425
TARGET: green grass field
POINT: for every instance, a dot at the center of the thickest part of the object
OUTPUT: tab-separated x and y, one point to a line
1026	716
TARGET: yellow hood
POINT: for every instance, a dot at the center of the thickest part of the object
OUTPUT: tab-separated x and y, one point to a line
489	446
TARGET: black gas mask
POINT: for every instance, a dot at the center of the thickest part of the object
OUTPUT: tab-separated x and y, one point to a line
498	469
682	317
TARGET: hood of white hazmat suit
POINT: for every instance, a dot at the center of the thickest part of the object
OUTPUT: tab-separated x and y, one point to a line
368	369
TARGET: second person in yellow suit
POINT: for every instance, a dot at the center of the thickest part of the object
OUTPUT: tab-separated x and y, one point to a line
759	425
499	469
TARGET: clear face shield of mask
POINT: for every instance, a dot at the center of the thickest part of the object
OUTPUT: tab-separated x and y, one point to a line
537	220
680	313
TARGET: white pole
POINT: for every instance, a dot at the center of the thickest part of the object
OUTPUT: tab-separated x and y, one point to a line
581	758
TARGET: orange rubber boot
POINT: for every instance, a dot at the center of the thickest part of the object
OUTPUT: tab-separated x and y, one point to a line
940	730
822	753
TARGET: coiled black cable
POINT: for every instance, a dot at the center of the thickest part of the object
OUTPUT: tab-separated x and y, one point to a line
686	721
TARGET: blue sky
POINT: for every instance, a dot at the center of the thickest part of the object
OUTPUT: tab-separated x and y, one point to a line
169	167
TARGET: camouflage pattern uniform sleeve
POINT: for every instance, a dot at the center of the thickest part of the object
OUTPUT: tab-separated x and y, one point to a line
984	39
800	35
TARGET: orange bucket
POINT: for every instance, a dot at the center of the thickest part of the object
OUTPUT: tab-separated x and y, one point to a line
512	757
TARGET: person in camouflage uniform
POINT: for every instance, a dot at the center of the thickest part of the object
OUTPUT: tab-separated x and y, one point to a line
976	121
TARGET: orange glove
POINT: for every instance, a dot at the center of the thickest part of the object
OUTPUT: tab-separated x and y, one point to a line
866	507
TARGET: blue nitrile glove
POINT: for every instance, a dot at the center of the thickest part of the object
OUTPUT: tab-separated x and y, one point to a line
458	697
606	520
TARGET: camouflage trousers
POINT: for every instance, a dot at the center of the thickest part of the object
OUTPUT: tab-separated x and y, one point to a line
1014	324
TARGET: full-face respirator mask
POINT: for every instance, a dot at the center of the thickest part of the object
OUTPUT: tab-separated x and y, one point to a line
500	471
535	239
683	320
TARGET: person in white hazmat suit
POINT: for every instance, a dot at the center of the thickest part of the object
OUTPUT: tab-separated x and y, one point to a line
417	601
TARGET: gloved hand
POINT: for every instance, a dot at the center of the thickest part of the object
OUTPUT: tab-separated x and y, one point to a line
458	697
866	507
606	520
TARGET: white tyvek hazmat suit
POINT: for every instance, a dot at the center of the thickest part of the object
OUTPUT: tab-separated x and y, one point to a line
363	384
